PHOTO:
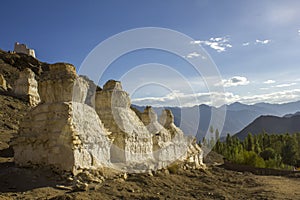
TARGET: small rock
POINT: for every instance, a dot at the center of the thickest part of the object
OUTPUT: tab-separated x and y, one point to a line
125	176
150	173
81	186
62	187
130	190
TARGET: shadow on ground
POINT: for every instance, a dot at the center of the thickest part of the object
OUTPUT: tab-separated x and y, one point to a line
18	179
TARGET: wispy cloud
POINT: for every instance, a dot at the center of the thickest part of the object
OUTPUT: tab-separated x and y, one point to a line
285	85
257	41
185	100
273	97
195	55
262	41
235	81
220	44
269	81
299	32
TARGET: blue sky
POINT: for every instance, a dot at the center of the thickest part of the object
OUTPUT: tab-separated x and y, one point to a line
254	44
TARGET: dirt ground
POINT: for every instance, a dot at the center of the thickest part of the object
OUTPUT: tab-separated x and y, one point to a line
213	183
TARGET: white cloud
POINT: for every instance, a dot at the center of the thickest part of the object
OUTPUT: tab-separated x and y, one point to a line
262	41
220	44
285	85
196	42
269	81
194	55
299	32
235	81
273	97
185	100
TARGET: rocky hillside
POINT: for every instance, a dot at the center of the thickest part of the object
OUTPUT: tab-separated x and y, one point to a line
271	125
12	63
12	108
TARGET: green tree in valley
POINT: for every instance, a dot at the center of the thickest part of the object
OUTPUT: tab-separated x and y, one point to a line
289	152
249	142
268	153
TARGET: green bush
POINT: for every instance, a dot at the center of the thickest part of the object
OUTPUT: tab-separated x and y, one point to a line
252	159
268	154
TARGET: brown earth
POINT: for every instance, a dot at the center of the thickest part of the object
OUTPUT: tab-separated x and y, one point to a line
12	110
213	183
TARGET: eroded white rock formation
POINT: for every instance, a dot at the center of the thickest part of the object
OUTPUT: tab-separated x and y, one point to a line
79	126
60	132
169	142
26	87
193	156
132	141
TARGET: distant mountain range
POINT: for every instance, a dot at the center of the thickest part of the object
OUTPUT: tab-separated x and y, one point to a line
272	125
238	116
292	115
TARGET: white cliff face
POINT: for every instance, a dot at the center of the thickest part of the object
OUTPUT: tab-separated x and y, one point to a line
27	87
